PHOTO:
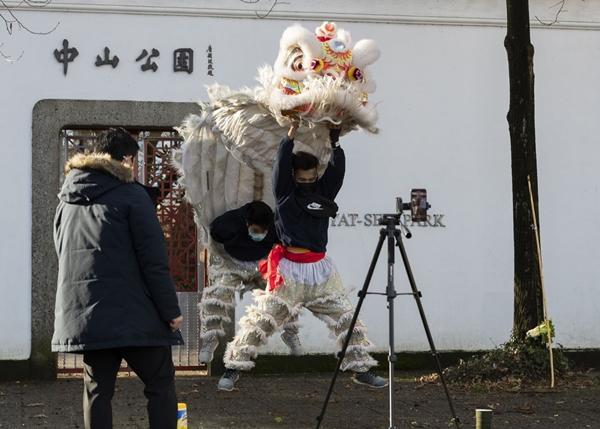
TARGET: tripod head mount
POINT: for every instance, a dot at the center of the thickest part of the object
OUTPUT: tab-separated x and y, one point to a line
417	207
390	219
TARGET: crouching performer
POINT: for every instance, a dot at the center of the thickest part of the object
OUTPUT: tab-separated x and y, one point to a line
239	239
298	272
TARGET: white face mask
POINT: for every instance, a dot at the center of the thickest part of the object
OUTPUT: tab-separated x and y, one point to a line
257	236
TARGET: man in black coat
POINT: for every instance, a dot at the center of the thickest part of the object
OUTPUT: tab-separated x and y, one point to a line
115	298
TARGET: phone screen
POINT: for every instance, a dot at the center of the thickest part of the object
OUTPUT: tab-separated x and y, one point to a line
418	205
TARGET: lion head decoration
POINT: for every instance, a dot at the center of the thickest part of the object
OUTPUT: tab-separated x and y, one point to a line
320	77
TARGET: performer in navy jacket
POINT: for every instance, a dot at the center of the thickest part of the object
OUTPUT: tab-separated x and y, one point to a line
299	274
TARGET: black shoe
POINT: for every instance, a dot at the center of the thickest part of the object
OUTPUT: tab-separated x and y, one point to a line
370	379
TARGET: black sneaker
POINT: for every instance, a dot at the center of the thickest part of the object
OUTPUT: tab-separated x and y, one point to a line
370	379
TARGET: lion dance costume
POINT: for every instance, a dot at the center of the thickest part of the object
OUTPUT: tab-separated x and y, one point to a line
228	157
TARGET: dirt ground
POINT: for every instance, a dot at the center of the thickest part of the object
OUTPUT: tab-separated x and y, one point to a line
295	401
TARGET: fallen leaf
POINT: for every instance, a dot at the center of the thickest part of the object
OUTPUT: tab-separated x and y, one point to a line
525	409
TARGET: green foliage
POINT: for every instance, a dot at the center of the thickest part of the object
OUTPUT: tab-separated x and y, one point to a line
515	361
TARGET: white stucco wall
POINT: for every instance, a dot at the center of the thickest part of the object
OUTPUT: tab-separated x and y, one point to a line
443	92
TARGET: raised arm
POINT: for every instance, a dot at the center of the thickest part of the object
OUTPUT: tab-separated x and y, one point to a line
283	181
333	178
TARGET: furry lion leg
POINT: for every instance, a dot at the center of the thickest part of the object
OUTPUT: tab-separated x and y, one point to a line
262	319
337	311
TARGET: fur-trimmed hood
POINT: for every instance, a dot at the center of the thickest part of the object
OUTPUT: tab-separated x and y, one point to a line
90	176
102	162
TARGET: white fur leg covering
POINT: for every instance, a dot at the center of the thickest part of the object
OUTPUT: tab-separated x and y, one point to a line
273	305
218	290
292	326
358	364
343	323
212	333
216	307
239	356
359	337
212	327
357	356
209	320
215	302
262	319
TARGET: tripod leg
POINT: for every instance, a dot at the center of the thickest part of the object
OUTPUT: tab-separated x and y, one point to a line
362	294
417	296
391	296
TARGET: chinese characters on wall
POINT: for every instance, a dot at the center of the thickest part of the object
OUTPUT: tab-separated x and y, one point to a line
66	55
183	59
210	60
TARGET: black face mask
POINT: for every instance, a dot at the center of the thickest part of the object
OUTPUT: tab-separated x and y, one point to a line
306	188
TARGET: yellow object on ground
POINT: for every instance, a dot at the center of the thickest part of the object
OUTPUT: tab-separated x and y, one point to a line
182	416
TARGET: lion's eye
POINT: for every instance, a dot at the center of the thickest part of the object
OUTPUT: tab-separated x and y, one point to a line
297	63
295	58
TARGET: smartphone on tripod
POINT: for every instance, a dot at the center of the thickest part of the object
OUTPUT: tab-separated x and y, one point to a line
418	205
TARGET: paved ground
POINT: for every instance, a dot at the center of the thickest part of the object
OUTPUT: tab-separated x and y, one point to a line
294	402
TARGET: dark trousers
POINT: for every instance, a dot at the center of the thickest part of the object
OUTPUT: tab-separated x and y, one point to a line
153	365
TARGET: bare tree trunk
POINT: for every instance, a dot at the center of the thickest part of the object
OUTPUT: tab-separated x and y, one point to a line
528	306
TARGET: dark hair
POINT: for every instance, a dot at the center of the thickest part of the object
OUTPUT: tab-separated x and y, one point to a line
304	161
117	142
259	213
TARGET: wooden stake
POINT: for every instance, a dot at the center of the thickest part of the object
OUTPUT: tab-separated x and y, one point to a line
483	419
539	253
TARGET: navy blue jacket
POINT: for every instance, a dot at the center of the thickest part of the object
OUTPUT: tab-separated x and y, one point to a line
295	226
231	230
114	286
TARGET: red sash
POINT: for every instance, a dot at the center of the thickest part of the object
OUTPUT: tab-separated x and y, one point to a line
269	268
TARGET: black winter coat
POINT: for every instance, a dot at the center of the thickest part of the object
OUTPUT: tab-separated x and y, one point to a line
114	286
231	230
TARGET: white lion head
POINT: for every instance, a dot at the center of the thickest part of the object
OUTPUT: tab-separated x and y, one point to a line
322	76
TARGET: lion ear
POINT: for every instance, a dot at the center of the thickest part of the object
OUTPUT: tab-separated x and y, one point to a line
296	35
365	52
345	37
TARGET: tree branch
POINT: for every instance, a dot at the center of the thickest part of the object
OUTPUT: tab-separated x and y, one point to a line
275	3
13	19
561	9
7	15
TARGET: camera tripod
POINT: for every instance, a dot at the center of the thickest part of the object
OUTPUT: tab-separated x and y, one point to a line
393	234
